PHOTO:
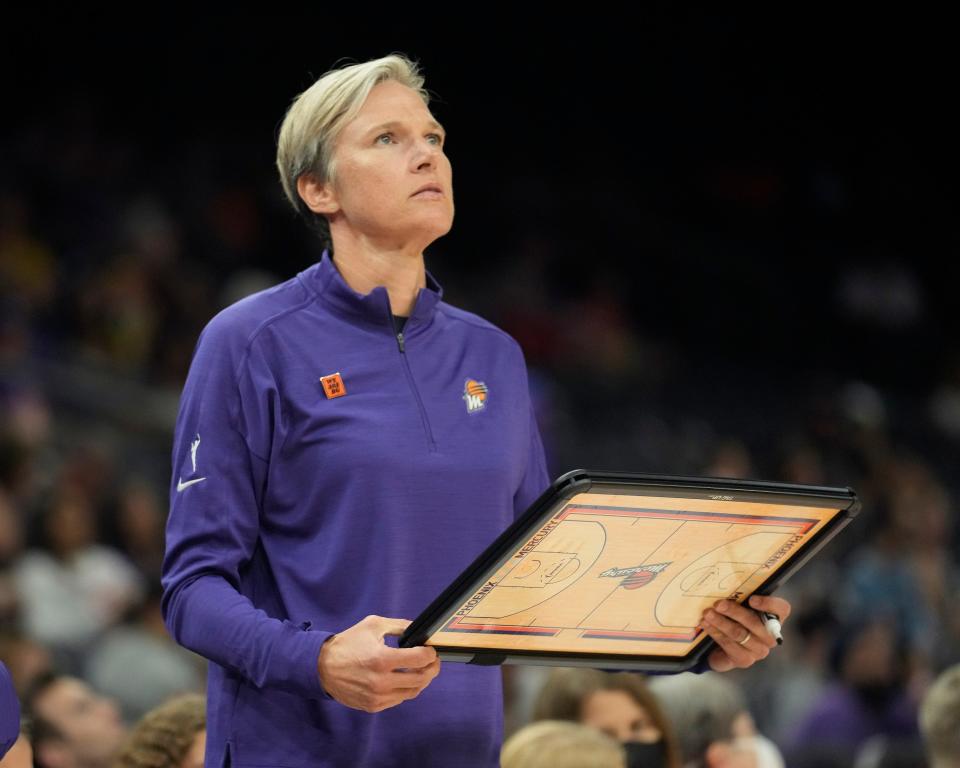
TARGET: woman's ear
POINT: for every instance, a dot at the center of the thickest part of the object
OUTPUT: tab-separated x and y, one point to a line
318	197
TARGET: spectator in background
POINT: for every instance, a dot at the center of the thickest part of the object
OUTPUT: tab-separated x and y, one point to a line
619	704
924	505
171	736
138	518
870	698
880	581
73	588
138	665
940	720
561	744
784	694
72	727
713	725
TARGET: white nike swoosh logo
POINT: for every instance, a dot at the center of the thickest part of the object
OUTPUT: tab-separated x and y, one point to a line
181	485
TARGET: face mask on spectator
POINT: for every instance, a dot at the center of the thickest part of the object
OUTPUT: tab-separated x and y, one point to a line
646	754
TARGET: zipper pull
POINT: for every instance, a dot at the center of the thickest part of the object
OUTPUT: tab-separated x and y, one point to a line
400	340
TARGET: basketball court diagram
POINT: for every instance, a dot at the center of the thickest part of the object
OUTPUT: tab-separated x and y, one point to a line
629	578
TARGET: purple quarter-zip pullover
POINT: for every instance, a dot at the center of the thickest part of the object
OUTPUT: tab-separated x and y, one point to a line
297	510
9	711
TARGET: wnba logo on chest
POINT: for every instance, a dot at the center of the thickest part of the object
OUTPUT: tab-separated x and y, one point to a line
474	395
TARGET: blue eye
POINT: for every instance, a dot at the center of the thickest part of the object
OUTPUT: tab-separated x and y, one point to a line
437	138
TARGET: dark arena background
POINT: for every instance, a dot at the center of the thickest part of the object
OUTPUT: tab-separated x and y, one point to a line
726	243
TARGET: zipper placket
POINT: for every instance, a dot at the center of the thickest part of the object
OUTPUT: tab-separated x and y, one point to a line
413	387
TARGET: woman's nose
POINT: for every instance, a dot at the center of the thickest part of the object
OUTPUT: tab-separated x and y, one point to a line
426	152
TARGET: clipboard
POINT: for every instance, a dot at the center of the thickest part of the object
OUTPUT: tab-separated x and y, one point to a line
613	570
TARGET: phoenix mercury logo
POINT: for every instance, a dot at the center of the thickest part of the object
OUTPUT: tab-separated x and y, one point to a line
474	395
637	576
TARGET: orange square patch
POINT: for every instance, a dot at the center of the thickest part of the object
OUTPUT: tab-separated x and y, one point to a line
333	385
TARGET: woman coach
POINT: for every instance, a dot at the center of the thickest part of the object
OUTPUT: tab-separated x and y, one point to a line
346	442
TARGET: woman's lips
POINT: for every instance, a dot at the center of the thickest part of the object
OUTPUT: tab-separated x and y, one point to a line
429	194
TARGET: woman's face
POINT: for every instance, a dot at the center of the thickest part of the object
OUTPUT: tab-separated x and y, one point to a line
618	714
390	150
70	526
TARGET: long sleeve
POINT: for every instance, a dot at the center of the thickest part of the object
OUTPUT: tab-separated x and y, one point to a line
9	711
228	420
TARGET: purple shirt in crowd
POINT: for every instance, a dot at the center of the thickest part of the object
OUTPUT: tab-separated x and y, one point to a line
297	509
839	718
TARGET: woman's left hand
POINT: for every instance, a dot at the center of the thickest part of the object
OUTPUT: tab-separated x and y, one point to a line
739	632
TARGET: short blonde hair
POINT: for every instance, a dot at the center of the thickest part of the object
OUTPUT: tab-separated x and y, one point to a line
940	718
561	744
164	735
316	117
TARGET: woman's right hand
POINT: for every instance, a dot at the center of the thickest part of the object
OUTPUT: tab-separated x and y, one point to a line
361	671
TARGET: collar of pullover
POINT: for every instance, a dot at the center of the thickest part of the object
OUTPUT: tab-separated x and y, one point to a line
372	309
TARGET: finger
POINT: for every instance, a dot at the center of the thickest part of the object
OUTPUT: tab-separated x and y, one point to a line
412	694
409	658
419	678
739	655
719	661
770	604
401	694
723	629
738	621
749	618
388	700
742	648
435	662
432	669
432	665
385	626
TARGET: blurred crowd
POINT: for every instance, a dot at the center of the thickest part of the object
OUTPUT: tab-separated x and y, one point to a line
104	287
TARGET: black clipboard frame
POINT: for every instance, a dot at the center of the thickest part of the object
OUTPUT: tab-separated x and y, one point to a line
437	613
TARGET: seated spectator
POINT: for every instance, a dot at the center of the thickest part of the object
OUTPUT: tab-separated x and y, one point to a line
559	744
171	736
71	588
139	666
869	699
618	704
940	720
713	725
72	727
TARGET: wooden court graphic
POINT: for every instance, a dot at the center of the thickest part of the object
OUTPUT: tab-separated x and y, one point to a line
628	574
